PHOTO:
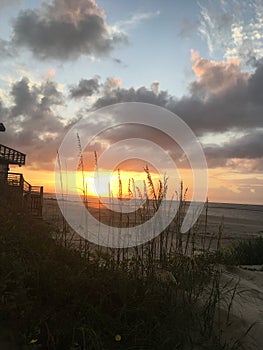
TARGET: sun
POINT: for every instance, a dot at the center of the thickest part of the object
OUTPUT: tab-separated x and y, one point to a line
106	183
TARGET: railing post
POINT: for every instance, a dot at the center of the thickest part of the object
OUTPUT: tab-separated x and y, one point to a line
41	200
3	173
21	182
29	199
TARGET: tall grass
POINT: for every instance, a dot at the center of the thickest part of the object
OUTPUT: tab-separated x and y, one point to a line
54	298
59	292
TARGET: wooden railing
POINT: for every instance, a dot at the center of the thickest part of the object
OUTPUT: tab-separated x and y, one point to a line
11	156
31	196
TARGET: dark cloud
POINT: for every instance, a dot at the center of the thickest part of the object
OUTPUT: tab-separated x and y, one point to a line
248	146
51	95
86	87
24	99
28	100
32	126
255	86
65	29
222	99
142	133
246	151
142	94
3	111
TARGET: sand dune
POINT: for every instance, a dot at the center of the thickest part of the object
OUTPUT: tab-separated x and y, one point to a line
245	320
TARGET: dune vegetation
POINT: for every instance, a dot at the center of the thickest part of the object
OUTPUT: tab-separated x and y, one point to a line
57	297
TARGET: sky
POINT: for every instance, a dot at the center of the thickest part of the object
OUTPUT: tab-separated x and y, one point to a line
202	60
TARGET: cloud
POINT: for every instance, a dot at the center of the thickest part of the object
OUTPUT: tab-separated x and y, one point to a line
110	85
222	100
248	146
214	77
3	111
194	55
33	99
9	2
32	126
215	25
50	73
141	94
65	30
6	50
232	27
256	86
155	87
250	190
136	19
244	152
85	88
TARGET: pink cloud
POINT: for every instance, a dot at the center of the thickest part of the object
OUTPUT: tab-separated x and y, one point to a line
216	77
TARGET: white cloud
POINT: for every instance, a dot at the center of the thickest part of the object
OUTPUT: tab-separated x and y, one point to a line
135	19
232	28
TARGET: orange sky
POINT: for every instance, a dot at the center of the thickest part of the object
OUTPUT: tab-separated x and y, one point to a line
227	187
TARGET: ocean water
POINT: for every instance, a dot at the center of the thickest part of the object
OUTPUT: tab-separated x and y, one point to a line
237	211
237	220
252	212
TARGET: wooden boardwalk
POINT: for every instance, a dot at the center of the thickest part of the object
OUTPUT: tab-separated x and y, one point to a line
15	187
29	197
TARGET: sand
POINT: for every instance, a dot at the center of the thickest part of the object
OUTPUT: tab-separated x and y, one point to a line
246	314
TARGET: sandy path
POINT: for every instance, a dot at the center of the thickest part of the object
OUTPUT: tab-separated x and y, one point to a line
247	306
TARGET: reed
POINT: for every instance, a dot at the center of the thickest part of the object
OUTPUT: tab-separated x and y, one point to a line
60	292
54	297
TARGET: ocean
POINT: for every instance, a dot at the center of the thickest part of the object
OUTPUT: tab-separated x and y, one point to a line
236	220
